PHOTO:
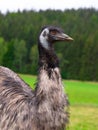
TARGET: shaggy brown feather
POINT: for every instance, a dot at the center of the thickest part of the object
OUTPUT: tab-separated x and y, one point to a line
22	109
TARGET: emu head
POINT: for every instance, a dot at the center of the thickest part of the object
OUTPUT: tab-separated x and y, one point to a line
50	35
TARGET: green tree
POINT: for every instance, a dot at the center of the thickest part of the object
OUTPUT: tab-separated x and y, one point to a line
9	55
34	59
81	24
3	49
20	52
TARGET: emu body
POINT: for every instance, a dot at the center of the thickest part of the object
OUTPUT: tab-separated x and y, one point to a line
21	108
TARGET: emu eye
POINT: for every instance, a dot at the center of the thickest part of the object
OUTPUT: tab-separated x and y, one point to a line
53	32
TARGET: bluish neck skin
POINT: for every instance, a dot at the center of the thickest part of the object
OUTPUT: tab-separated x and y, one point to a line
47	58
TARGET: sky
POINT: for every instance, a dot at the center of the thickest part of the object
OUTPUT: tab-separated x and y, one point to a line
14	5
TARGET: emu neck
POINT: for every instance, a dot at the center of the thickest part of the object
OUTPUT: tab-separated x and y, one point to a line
48	58
49	79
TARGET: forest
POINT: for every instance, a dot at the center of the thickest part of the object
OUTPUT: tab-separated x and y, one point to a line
78	59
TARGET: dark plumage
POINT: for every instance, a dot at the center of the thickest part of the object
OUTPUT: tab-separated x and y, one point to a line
42	109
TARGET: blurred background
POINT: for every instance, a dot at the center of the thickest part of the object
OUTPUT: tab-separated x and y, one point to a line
21	21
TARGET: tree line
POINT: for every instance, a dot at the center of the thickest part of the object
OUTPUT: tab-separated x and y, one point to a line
78	59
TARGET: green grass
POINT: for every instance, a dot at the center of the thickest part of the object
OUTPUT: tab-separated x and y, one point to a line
29	79
83	98
83	118
82	93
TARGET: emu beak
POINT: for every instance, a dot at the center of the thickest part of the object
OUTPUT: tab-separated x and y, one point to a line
63	37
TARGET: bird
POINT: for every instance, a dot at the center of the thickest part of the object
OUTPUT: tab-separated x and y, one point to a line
46	107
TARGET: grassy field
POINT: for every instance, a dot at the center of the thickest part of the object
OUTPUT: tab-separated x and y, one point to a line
83	98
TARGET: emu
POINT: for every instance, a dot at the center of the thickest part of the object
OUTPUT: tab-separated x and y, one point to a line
45	108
